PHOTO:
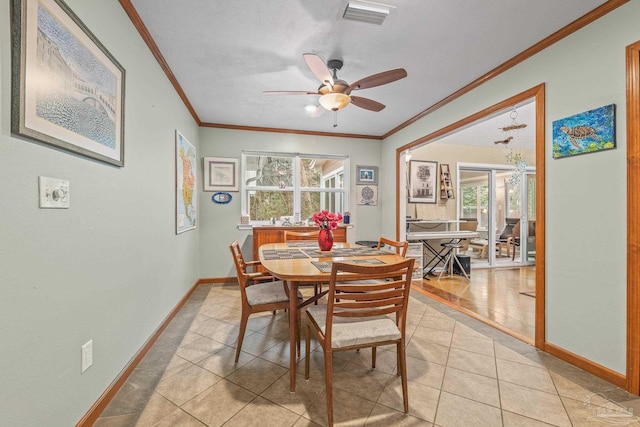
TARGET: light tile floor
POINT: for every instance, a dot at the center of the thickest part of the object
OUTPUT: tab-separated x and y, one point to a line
461	373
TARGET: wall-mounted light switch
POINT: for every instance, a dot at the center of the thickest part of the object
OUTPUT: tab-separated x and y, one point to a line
87	355
54	193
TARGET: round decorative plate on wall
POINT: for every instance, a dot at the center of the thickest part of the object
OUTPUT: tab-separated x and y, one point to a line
221	198
367	195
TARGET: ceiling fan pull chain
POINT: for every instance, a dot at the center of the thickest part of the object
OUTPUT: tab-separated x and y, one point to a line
335	118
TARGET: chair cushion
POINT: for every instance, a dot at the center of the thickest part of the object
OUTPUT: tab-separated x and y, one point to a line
348	331
267	293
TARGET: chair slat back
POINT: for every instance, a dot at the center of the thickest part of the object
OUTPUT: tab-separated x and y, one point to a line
241	267
400	247
381	290
468	225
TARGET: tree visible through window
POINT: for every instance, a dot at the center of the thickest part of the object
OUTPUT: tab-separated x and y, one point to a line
475	202
277	185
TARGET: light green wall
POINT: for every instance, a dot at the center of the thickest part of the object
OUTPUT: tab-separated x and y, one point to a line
585	195
110	268
218	229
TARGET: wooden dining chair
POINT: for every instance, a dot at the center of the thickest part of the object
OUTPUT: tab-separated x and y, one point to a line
400	247
470	224
359	318
514	240
502	241
290	236
260	292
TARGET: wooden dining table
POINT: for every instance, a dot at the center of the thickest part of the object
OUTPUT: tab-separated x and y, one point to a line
300	263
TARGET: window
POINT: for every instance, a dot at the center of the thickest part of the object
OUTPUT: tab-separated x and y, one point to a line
334	202
475	202
512	198
278	185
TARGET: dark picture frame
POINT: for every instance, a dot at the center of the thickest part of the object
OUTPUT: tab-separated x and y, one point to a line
67	89
423	181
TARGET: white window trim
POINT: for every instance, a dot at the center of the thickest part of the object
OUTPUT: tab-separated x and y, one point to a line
296	189
336	175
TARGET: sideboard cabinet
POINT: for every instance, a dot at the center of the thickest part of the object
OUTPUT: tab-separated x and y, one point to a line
275	234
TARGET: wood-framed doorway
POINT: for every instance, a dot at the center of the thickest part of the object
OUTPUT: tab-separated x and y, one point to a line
537	93
633	217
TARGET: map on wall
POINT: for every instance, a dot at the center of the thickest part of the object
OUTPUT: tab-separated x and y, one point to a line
186	176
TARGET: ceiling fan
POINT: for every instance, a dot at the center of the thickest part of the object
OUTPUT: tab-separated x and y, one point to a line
335	94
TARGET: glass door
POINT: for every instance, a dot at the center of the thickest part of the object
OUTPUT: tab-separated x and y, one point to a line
528	229
505	210
474	205
520	206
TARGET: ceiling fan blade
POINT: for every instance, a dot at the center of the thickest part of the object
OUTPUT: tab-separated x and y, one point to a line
319	68
288	92
379	79
366	103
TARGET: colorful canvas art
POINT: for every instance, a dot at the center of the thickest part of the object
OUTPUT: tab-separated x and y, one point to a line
587	132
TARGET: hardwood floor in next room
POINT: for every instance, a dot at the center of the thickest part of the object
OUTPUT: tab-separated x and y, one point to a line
501	296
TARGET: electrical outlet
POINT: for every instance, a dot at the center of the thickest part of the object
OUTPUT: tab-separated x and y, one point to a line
87	355
54	193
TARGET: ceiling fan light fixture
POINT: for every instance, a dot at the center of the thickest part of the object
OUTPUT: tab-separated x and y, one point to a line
335	101
371	13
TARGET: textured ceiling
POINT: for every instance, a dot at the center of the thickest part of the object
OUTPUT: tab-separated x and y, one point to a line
489	130
224	54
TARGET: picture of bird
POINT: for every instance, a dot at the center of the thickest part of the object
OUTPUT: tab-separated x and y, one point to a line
503	141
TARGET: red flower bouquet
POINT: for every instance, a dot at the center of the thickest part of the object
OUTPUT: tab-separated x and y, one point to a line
327	220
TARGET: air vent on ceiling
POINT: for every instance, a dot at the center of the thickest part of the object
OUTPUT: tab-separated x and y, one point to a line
371	13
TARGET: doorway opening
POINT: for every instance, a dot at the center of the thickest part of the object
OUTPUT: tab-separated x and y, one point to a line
521	200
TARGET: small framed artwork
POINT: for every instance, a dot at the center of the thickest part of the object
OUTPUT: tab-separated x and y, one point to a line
422	181
587	132
366	175
186	185
220	174
67	90
367	195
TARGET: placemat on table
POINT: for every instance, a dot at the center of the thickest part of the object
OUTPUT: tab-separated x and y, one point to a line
325	266
344	252
303	244
271	254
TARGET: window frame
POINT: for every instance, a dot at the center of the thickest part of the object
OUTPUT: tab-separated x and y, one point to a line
336	175
296	189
